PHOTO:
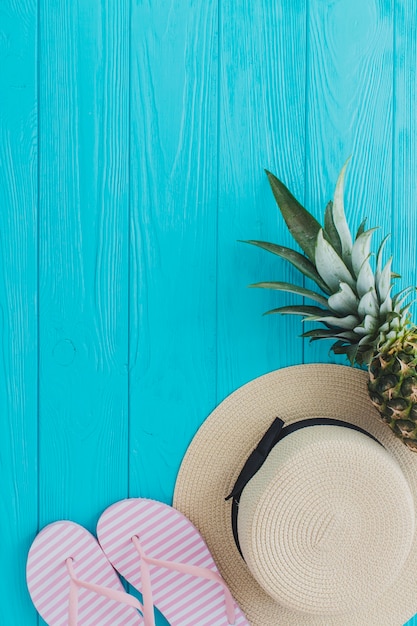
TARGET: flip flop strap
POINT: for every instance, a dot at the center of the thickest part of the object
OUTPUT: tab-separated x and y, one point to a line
193	570
112	594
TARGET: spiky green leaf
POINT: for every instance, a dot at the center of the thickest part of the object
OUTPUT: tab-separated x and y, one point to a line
348	322
366	340
360	330
302	309
366	279
351	350
301	291
368	327
361	228
340	347
383	284
401	297
379	257
368	305
344	301
300	262
364	357
404	311
370	323
380	252
330	229
301	224
330	266
361	250
339	217
386	306
319	333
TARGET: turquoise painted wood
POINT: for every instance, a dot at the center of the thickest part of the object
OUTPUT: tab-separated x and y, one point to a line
350	102
133	138
19	433
172	348
83	258
261	122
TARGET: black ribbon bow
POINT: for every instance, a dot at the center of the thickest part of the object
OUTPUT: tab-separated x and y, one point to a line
275	433
257	458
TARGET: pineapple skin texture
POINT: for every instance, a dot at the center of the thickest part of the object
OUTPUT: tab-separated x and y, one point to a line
392	387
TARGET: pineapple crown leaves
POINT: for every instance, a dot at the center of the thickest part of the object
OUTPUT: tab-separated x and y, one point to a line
357	308
301	224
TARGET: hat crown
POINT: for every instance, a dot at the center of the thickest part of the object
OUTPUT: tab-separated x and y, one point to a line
328	521
221	447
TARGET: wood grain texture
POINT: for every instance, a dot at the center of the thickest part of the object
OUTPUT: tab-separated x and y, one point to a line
18	286
349	112
83	246
261	125
156	119
404	188
173	235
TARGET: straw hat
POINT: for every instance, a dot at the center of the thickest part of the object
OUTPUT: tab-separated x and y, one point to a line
323	512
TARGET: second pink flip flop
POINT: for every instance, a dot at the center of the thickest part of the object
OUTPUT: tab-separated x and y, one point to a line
161	553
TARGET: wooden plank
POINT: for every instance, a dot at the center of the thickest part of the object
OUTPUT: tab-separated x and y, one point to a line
404	187
83	246
349	102
173	226
18	284
262	125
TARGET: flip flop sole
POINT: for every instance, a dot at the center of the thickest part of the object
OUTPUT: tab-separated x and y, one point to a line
165	533
49	582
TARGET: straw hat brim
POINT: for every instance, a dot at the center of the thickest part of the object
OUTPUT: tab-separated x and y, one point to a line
223	443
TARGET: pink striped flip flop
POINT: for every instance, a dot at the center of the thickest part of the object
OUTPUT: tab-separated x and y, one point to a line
72	583
163	556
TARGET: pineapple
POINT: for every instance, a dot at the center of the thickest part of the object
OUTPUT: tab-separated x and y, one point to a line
354	303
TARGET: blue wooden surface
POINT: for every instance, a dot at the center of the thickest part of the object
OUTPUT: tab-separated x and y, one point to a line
133	138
